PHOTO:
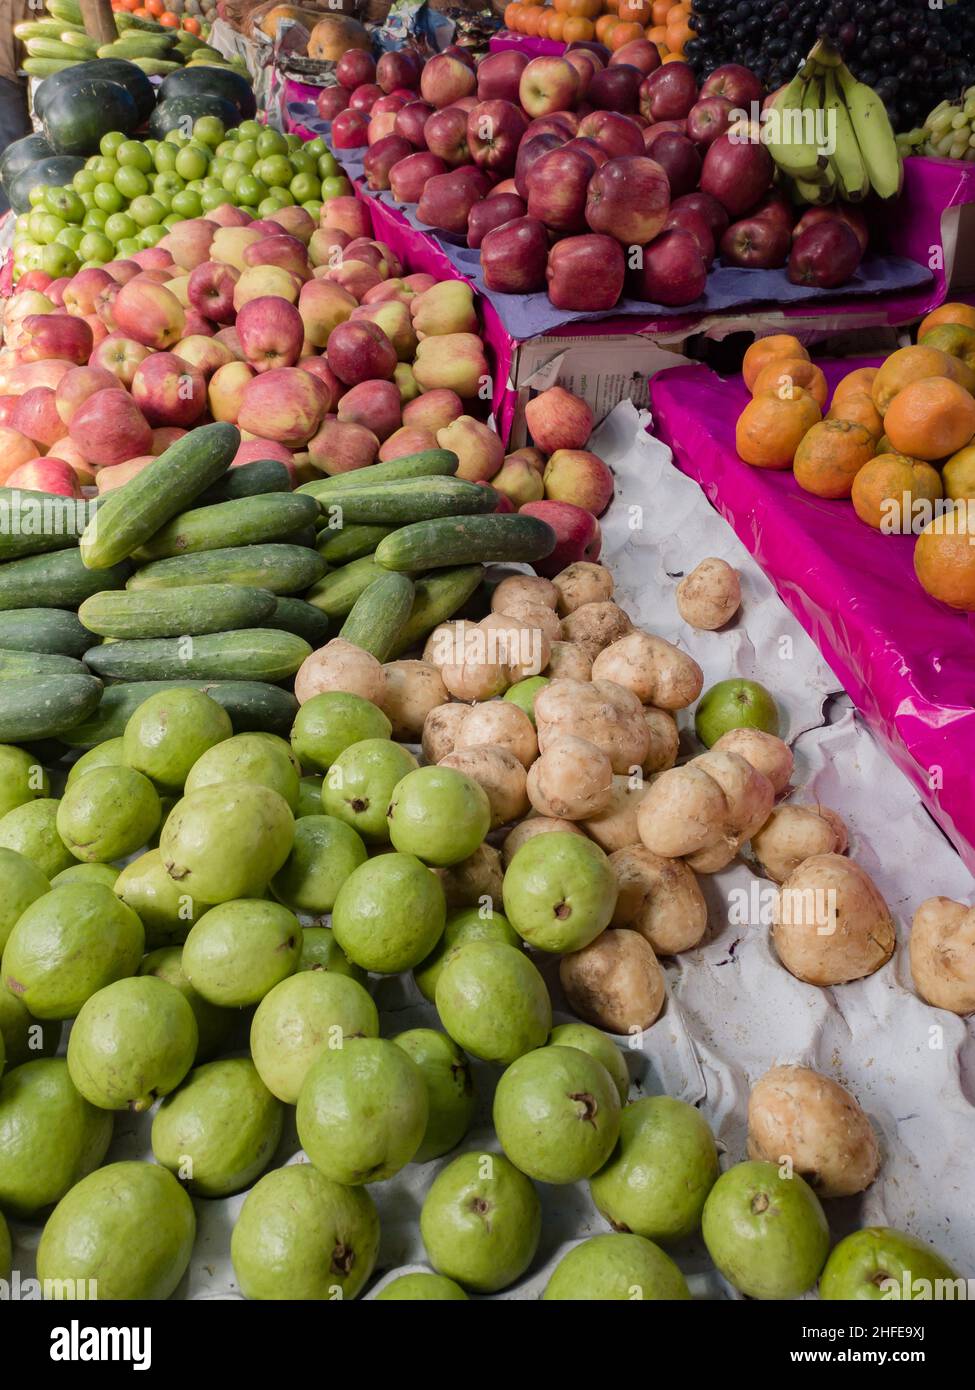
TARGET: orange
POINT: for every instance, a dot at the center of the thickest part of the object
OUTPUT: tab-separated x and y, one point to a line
635	11
930	418
859	409
763	350
782	373
170	20
575	30
611	6
947	313
562	6
156	7
955	339
657	34
624	32
659	10
509	14
605	25
531	19
906	365
830	455
770	428
887	489
944	557
859	380
958	475
584	9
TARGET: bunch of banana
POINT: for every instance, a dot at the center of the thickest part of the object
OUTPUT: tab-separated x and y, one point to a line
948	132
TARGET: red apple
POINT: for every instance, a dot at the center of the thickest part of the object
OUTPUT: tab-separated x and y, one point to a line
281	250
689	219
394	70
587	146
52	475
825	255
576	530
445	79
433	410
271	332
708	118
738	84
64	336
447	199
150	314
404	442
628	199
228	336
669	93
557	185
341	446
250	450
756	242
36	416
709	208
616	88
286	405
76	386
350	130
120	271
562	123
330	101
579	477
673	270
55	290
153	257
529	151
355	67
360	352
499	74
375	253
381	157
777	207
322	306
364	97
298	222
652	133
547	85
393	317
617	134
381	125
169	391
226	215
494	131
204	353
846	212
408	176
109	428
81	295
120	356
446	135
679	158
318	367
558	419
736	172
346	212
457	50
490	213
514	256
374	404
410	121
638	53
586	66
39	280
586	273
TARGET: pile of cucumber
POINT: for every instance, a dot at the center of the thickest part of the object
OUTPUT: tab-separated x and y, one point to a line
194	573
59	40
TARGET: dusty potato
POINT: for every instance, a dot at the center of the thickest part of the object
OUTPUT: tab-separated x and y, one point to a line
594	626
766	753
749	796
598	711
502	724
660	898
655	670
799	1114
831	922
614	983
412	690
615	828
568	661
710	595
794	833
571	780
537	615
475	881
475	680
582	583
664	740
341	665
446	645
534	825
524	588
440	730
942	953
705	810
522	648
501	775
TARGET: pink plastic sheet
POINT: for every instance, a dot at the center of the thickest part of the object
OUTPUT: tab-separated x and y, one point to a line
907	662
525	43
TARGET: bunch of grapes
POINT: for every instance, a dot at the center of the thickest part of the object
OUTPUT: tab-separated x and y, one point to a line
912	55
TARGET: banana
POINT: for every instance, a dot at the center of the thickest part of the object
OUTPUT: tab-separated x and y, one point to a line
785	132
874	134
852	180
817	194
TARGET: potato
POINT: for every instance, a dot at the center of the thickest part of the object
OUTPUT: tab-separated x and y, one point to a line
523	648
536	615
501	775
797	1113
710	595
524	588
615	983
582	583
412	690
475	881
831	922
615	828
598	711
705	810
340	665
766	753
942	953
502	724
657	672
572	780
749	796
446	645
660	898
594	626
568	662
795	833
531	826
440	729
664	740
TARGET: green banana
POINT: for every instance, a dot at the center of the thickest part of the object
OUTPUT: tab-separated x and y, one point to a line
874	133
852	180
817	194
786	128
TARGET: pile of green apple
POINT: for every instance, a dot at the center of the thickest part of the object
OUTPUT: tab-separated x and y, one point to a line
130	194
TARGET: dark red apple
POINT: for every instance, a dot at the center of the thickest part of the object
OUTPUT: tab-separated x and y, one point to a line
498	76
736	172
380	158
350	130
776	206
709	208
529	151
708	118
456	50
652	133
494	132
679	158
446	135
757	242
394	70
690	220
589	147
825	255
673	270
355	67
365	96
617	134
390	103
737	83
410	120
845	212
557	185
639	53
564	123
616	88
406	179
586	273
669	93
586	66
590	46
514	256
490	213
447	199
628	198
331	100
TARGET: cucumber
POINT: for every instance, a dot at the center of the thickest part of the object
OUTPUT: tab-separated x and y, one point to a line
59	580
254	653
195	610
156	67
14	664
69	11
78	39
379	615
431	463
46	67
35	523
283	569
339	546
39	29
436	598
336	594
454	540
247	480
34	707
133	513
410	499
44	630
246	521
52	48
301	618
253	706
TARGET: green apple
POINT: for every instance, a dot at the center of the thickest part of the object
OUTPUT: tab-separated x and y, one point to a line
45	226
302	163
171	220
167	184
246	153
212	198
493	1002
72	237
95	218
84	181
109	198
187	204
269	141
192	161
232	175
317	147
164	157
58	260
177	137
131	182
881	1263
616	1268
105	168
146	211
119	226
209	130
338	187
247	130
250	190
268	205
64	203
766	1232
128	246
134	155
328	166
109	143
305	186
96	246
523	693
151	236
293	142
314	208
275	171
734	704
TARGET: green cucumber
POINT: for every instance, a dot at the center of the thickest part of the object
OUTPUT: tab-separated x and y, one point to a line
68	11
52	48
44	630
245	521
156	67
431	463
301	618
284	569
59	580
455	540
379	615
194	610
337	546
410	499
336	594
254	653
46	67
35	523
14	664
247	480
437	597
253	706
45	706
131	514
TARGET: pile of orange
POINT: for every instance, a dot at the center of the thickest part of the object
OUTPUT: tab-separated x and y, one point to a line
612	22
156	9
898	440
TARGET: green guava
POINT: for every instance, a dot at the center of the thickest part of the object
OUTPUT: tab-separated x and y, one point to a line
389	913
557	1114
481	1221
767	1234
362	1111
125	1232
238	951
559	892
32	830
734	704
657	1180
166	910
6	1250
325	852
69	944
167	733
469	924
329	723
299	1019
310	796
23	883
438	814
22	778
879	1262
108	813
616	1268
359	785
219	1131
523	693
300	1236
111	753
24	1038
450	1089
598	1045
132	1042
493	1002
263	759
106	874
50	1136
421	1288
227	841
214	1025
320	951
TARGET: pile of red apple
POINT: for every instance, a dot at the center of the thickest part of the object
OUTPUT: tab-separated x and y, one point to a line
585	178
